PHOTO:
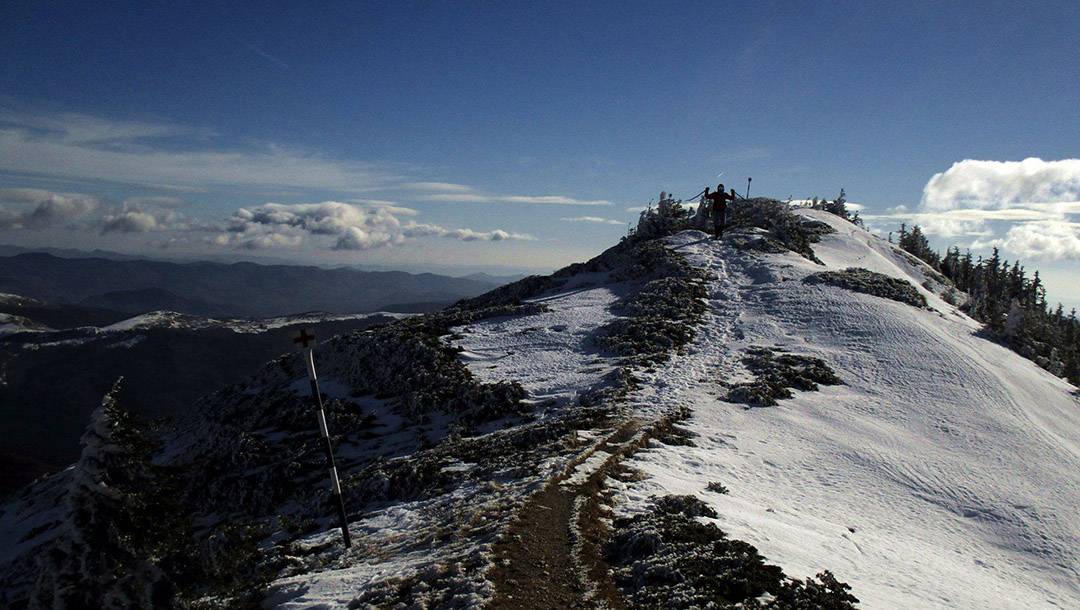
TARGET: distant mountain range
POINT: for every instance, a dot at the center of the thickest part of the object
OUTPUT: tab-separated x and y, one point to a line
230	290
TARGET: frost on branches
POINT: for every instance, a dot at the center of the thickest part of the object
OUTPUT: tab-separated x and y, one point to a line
106	555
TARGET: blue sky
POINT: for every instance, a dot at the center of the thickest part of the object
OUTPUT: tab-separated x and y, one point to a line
461	137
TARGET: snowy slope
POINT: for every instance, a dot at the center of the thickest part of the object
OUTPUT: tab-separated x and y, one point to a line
11	323
944	473
549	352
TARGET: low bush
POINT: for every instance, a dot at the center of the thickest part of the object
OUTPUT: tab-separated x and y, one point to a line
775	375
869	282
668	558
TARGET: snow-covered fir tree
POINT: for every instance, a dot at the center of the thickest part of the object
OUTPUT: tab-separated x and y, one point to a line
668	218
106	555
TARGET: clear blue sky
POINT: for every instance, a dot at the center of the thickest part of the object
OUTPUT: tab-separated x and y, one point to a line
456	135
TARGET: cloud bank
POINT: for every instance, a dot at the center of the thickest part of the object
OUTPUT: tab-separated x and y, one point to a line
145	214
1034	202
22	208
349	226
971	184
1045	240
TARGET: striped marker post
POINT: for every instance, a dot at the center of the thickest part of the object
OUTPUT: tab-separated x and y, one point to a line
304	342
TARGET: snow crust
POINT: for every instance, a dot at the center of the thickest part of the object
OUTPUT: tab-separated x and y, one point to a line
945	473
549	352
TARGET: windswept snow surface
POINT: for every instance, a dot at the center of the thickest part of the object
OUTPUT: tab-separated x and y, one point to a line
945	473
550	353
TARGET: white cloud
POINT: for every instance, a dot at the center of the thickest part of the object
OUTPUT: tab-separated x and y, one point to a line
355	238
1045	240
428	230
953	223
594	219
355	227
1002	184
389	206
22	208
83	129
496	235
145	214
81	146
553	199
448	187
1030	200
541	200
173	158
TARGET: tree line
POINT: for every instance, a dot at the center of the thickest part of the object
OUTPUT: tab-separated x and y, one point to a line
1011	305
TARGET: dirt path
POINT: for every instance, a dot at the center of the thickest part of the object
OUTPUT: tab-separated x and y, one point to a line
550	556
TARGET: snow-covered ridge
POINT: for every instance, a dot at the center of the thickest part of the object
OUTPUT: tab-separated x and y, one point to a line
944	473
14	299
11	323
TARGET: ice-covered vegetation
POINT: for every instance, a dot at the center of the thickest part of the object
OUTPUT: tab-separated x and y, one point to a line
775	375
870	282
658	318
672	557
761	224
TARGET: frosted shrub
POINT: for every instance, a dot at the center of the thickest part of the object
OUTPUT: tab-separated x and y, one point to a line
668	558
775	375
661	315
784	228
871	282
668	218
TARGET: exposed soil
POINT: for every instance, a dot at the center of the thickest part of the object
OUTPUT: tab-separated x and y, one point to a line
550	556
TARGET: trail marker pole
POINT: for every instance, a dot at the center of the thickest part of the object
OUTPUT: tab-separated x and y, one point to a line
748	188
304	342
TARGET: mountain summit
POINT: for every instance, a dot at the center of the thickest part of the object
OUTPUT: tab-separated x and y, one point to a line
790	416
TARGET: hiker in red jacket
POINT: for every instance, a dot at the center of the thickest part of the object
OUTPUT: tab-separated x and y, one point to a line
719	201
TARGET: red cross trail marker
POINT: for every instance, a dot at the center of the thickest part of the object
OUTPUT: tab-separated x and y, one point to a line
304	342
304	338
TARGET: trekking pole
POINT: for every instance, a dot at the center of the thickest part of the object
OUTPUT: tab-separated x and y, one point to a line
304	343
748	188
698	195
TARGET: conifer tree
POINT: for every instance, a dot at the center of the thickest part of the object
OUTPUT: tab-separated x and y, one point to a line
109	551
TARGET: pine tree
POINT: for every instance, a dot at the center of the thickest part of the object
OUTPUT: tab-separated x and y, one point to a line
1014	322
838	206
109	552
